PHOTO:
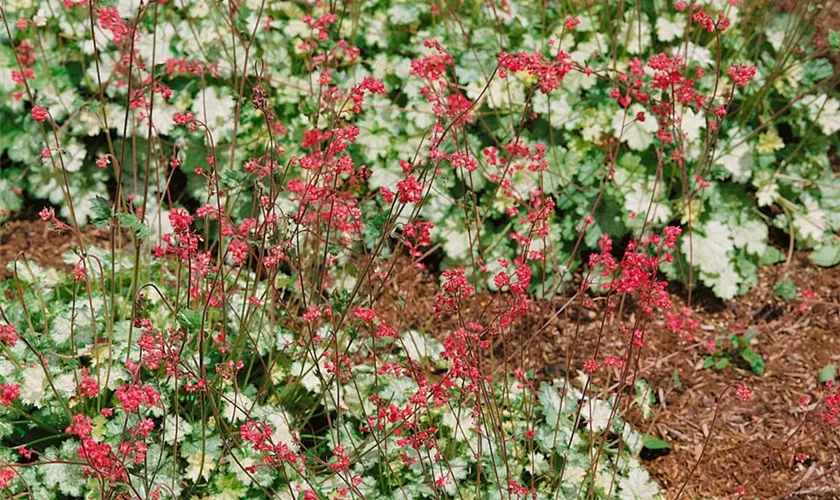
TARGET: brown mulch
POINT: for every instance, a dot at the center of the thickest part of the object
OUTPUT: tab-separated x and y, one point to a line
752	444
34	240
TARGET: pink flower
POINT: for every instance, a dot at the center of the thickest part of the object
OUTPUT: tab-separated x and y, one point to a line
8	335
571	23
387	195
501	280
433	66
744	393
39	114
87	385
410	190
617	361
181	220
20	78
183	117
110	20
9	393
704	20
385	331
365	314
6	475
238	251
741	75
101	460
131	396
550	73
343	462
81	426
638	339
80	271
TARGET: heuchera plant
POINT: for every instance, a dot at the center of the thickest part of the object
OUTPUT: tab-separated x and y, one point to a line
235	338
748	116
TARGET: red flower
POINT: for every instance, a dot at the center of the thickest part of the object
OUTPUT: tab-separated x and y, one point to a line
39	114
410	190
9	393
88	386
365	314
81	426
131	396
6	475
741	75
8	335
744	393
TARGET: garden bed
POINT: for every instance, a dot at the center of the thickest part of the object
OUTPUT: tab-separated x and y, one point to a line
752	443
619	208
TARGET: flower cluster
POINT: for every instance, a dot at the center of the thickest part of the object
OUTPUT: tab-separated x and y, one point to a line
272	169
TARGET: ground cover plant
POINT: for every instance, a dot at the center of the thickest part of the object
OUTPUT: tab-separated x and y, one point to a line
242	186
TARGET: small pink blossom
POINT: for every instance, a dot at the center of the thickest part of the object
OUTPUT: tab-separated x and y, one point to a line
39	114
741	75
8	335
571	23
744	393
9	393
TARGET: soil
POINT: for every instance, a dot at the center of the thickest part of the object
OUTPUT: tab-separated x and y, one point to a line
30	239
751	444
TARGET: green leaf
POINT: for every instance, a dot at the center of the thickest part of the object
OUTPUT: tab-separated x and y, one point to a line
132	222
786	290
817	70
754	359
644	398
372	230
655	443
828	373
340	301
10	200
676	377
550	403
721	364
771	255
826	255
708	362
833	39
308	107
189	319
101	211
